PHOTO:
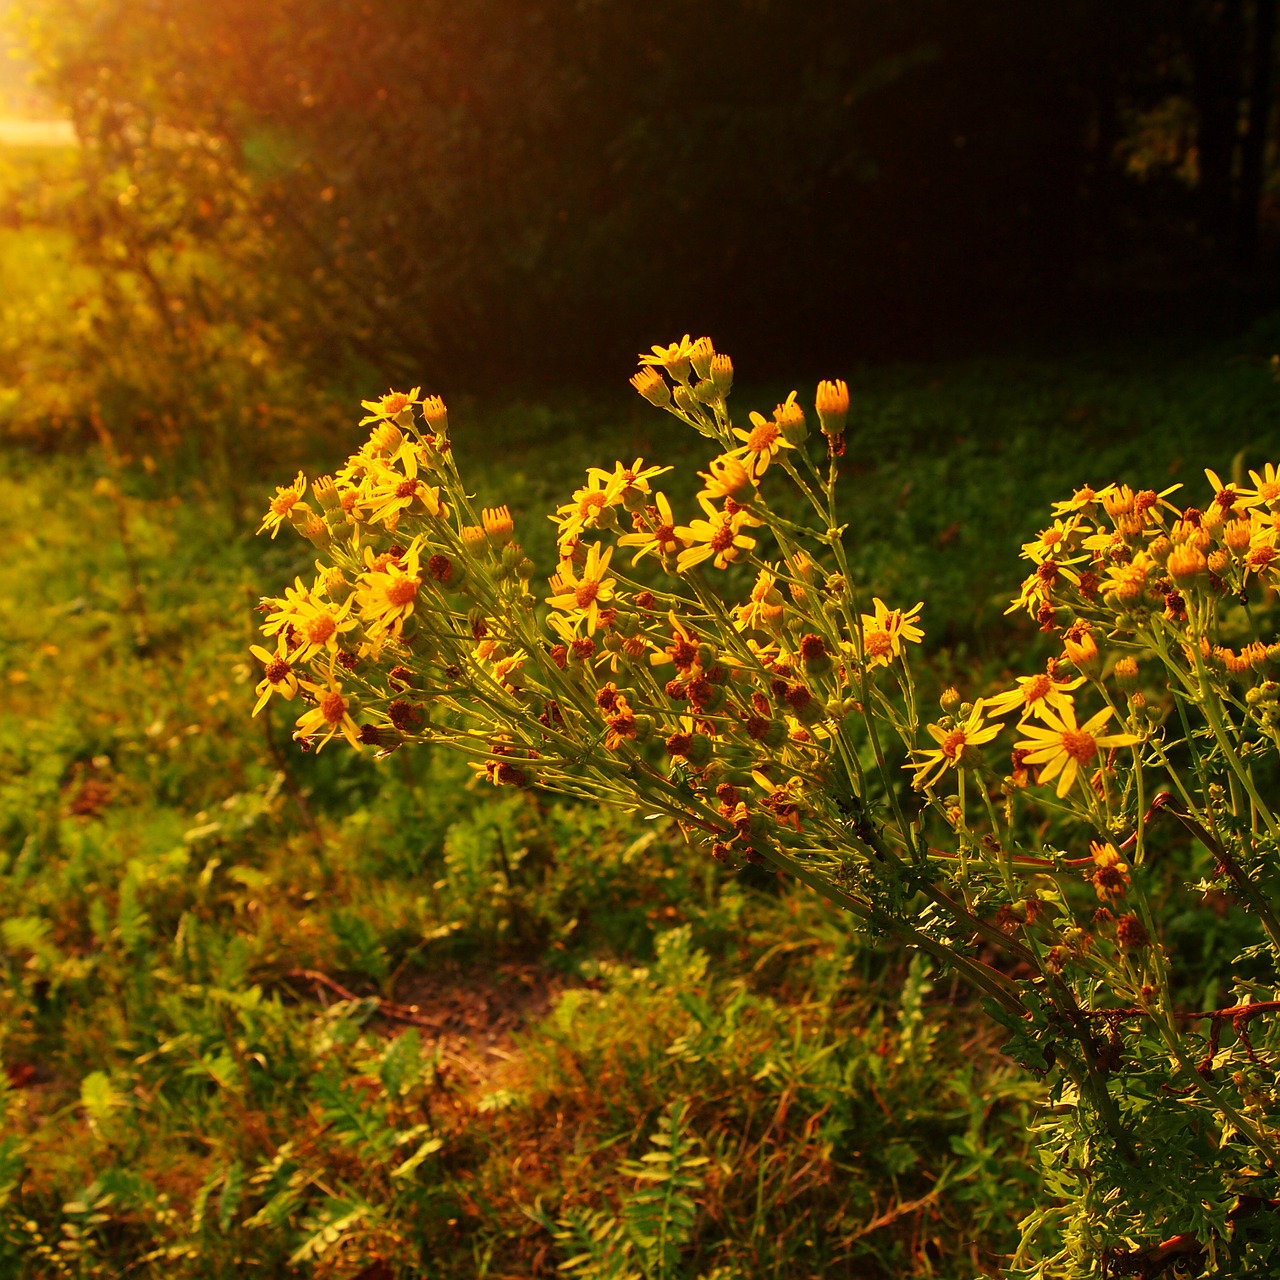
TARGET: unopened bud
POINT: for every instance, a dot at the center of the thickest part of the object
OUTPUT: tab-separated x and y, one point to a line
653	386
722	373
832	404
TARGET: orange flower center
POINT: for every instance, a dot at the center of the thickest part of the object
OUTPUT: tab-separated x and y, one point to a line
282	503
877	644
590	503
406	488
277	669
762	438
395	403
333	706
586	593
664	533
1269	489
1262	555
402	590
1079	745
319	628
953	744
1036	688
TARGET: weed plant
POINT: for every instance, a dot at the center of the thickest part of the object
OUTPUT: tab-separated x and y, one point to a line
774	717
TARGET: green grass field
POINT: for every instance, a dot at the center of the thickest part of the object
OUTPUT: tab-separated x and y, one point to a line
267	1013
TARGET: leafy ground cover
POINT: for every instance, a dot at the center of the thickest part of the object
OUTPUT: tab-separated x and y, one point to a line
275	1013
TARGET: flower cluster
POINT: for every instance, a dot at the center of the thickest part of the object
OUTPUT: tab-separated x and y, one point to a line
721	665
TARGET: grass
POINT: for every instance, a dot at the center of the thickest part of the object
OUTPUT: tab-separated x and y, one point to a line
279	1014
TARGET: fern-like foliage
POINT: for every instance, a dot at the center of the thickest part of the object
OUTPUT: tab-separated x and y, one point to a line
655	1221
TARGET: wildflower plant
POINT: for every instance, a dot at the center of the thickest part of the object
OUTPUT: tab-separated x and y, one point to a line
722	667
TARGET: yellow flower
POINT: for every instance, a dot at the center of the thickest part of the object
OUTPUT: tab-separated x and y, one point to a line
330	715
726	477
653	386
387	493
1064	747
277	675
952	744
884	631
591	507
287	496
719	538
761	444
498	525
388	406
1033	695
1127	582
628	485
832	405
387	594
315	624
655	531
1051	543
581	594
675	359
1266	487
765	609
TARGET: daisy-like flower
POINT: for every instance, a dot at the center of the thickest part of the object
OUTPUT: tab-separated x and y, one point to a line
1127	582
1266	487
760	445
1064	747
628	485
390	405
591	507
580	593
1084	500
884	631
1226	496
386	492
675	359
277	674
317	624
726	477
330	715
683	649
655	532
718	538
1053	543
1033	694
286	498
386	593
1262	552
952	744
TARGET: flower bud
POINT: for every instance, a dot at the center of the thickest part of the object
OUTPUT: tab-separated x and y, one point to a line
435	414
722	373
701	355
832	404
685	400
653	386
791	424
1186	563
326	494
1125	673
950	699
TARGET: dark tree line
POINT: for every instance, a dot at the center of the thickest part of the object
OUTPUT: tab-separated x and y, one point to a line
471	189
